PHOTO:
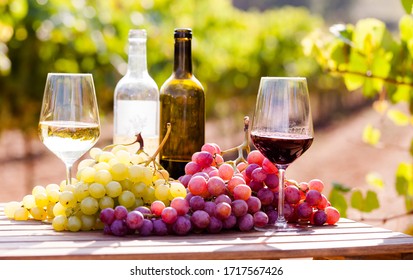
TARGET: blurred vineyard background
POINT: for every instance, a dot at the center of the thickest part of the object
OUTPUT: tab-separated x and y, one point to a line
235	43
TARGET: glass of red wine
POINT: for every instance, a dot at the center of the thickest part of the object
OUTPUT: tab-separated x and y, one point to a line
282	130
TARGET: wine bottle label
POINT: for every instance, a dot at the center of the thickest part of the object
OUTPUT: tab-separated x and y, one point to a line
134	116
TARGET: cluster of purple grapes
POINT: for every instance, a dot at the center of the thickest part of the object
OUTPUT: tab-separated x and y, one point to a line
222	196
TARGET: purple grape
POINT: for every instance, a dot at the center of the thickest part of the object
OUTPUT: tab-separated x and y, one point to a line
272	181
134	219
200	219
313	197
292	194
288	211
251	167
260	219
254	204
159	227
222	210
216	186
204	159
272	216
266	196
106	229
192	168
146	228
169	215
197	203
119	228
255	185
210	208
239	207
182	226
246	222
258	174
304	210
121	212
185	179
229	222
215	225
319	218
144	210
107	216
223	198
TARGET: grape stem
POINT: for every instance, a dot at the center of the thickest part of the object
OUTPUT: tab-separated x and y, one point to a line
153	157
244	146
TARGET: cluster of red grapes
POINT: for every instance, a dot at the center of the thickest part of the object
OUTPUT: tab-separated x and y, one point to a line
222	195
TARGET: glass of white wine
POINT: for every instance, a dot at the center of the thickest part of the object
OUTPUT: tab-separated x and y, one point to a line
69	122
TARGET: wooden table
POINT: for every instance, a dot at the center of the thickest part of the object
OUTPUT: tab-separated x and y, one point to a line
346	240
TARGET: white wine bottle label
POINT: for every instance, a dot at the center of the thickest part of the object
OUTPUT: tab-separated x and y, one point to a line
134	116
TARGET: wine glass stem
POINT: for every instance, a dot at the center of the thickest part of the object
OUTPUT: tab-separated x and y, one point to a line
68	174
281	222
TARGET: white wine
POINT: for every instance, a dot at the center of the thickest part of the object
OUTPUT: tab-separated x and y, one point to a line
68	140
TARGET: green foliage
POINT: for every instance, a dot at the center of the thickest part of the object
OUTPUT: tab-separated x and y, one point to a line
338	199
370	58
232	49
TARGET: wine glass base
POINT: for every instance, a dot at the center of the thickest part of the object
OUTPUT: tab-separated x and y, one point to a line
282	228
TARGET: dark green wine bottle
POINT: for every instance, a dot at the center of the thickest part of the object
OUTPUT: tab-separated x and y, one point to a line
182	104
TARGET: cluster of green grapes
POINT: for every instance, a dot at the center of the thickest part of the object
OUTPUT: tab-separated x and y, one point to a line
105	180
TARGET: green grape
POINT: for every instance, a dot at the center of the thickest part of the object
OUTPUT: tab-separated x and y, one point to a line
88	222
89	162
139	189
119	171
21	214
118	148
106	202
67	199
89	206
53	195
139	202
106	156
149	196
29	201
38	190
81	191
123	156
74	223
49	210
126	184
41	199
177	189
97	190
70	187
127	199
59	223
162	192
113	189
95	153
38	213
87	174
10	208
103	176
101	166
59	209
138	158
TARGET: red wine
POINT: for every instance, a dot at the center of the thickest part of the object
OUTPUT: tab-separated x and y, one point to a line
281	148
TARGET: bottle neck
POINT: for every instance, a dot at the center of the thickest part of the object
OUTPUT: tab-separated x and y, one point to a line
183	58
137	65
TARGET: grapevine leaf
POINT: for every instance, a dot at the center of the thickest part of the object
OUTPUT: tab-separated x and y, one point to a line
407	5
406	27
371	135
337	199
371	201
398	117
341	188
357	200
375	180
402	93
409	203
404	178
368	34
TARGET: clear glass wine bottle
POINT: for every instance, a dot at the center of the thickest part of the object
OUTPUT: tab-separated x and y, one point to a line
136	99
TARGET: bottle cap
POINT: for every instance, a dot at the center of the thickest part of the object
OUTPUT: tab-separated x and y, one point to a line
137	34
183	33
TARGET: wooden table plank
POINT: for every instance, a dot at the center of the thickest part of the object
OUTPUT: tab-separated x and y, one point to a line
347	239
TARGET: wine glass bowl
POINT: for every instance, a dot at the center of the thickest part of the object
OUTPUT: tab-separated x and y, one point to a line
69	122
282	129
